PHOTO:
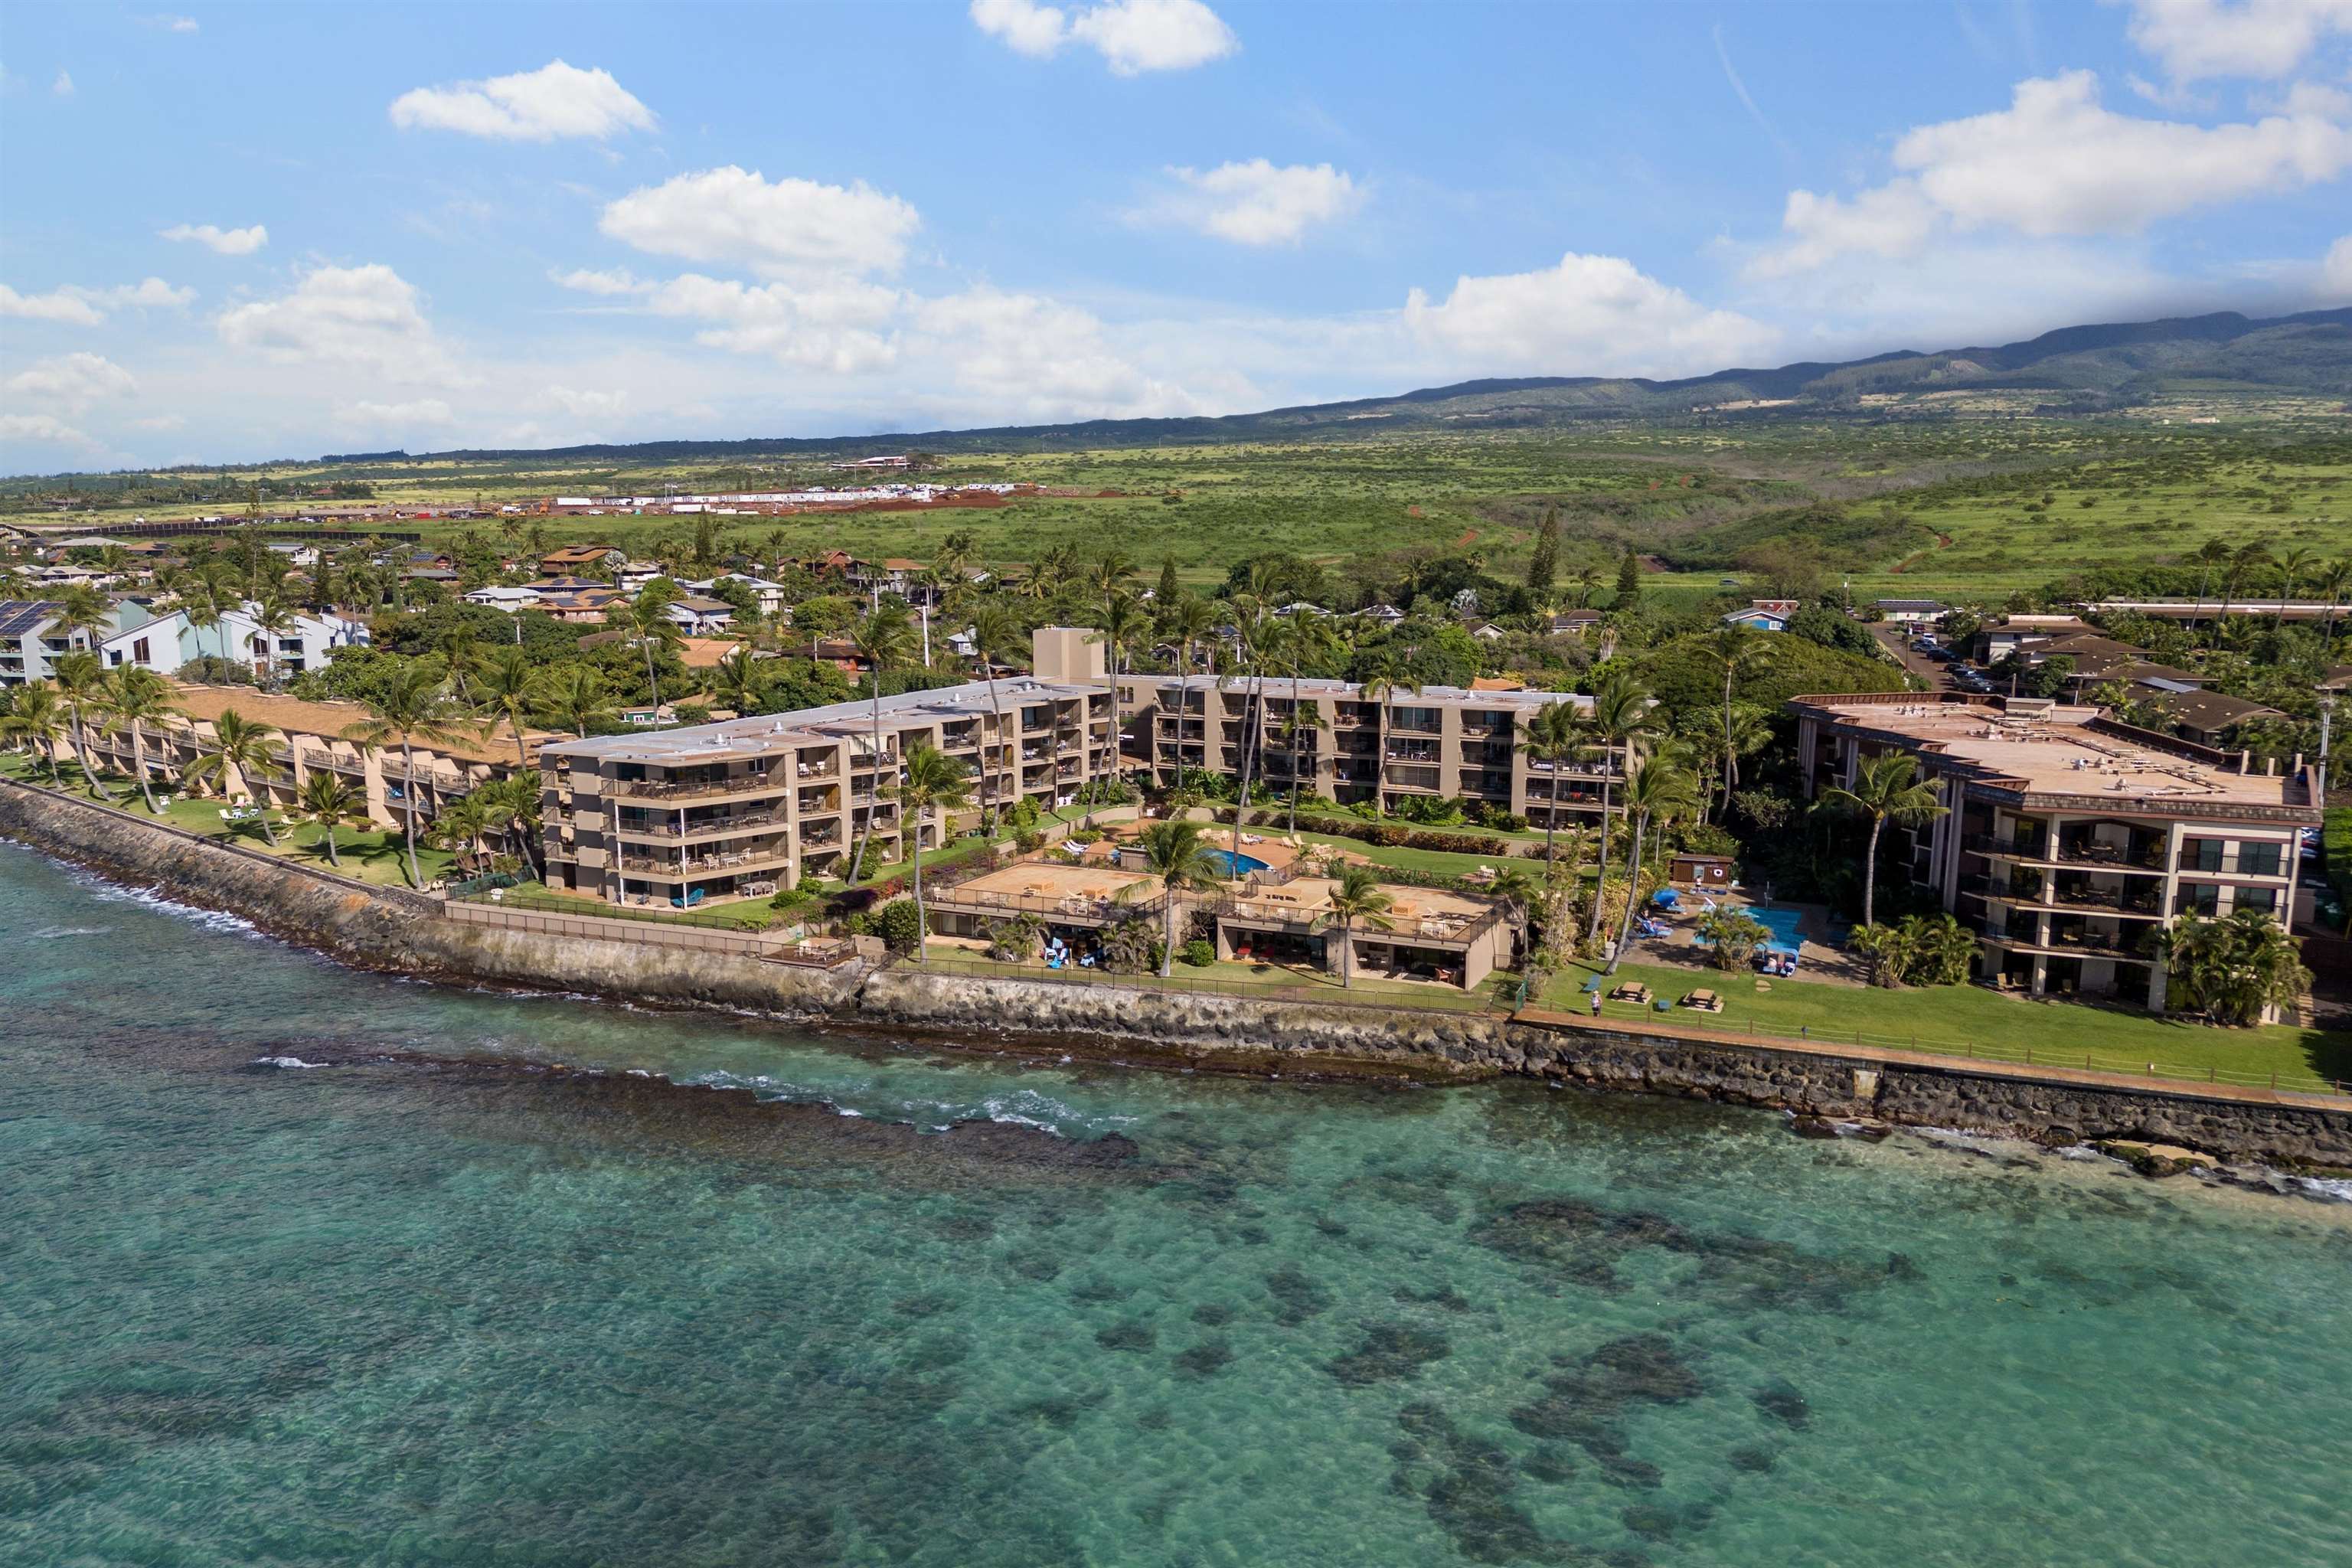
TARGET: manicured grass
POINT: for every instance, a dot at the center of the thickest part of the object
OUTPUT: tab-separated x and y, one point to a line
1959	1019
746	915
369	854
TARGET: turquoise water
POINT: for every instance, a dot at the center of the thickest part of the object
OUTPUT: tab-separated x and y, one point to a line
1230	862
435	1300
1782	924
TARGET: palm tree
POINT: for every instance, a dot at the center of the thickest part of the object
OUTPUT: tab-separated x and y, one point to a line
1657	791
272	618
994	631
37	720
81	611
508	684
647	620
325	799
137	698
240	751
461	652
1306	639
461	824
1123	623
1554	734
81	682
2335	580
2247	556
735	682
1258	644
1188	621
1176	854
1381	681
1358	897
412	705
204	613
929	781
884	639
1621	717
2291	565
572	695
1737	651
1887	789
2234	969
513	804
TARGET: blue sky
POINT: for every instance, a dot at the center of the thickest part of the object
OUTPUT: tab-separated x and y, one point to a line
256	231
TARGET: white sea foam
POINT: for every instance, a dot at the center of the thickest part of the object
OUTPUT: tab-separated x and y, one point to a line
211	920
51	933
285	1062
2335	1189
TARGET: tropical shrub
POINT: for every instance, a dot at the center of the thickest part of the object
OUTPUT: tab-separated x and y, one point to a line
1199	952
1735	933
2232	969
1015	941
1131	946
897	924
1937	950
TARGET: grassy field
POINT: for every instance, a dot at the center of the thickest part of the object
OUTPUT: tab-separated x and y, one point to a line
1970	1019
2140	487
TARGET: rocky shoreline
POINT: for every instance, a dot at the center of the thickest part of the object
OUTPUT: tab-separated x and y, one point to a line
394	930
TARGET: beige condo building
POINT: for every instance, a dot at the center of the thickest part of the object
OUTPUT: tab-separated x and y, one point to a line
2070	837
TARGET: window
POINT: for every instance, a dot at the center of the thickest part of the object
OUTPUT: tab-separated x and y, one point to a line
2201	855
2202	897
139	650
2263	898
2258	861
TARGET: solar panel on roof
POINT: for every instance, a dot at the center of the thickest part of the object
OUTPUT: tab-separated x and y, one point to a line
18	616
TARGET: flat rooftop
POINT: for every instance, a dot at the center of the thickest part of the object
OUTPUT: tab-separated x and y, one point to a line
769	734
2055	751
1279	688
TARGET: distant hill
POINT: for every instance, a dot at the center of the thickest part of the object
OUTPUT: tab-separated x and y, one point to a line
2076	369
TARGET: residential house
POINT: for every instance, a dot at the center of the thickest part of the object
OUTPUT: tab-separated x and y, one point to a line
2208	718
30	642
580	560
1911	611
702	617
1763	616
1573	623
169	642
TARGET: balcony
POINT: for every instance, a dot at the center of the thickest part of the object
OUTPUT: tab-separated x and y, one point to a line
695	789
2003	848
2116	857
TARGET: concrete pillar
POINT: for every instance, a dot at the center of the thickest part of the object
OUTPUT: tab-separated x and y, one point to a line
371	789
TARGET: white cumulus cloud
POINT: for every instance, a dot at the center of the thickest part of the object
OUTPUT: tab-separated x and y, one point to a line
841	326
394	416
73	382
1589	312
2057	162
365	317
1132	36
44	427
2335	272
170	24
2198	39
75	306
588	405
786	228
63	87
587	281
555	100
64	305
226	241
1261	202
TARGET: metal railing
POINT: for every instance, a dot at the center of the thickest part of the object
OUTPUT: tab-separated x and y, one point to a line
744	784
1822	1038
2148	858
1428	996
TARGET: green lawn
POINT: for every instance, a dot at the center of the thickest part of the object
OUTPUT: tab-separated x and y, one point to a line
747	915
369	854
1970	1019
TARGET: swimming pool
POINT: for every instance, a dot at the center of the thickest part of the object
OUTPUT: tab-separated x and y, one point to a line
1782	924
1228	863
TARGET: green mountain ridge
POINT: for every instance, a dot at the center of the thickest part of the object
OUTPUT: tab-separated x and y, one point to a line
2082	369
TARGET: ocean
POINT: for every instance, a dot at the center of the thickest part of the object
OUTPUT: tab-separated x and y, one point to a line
300	1265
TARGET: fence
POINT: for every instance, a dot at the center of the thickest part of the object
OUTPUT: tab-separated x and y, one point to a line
531	898
1966	1051
598	928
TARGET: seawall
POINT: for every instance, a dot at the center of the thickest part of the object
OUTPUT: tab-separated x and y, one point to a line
393	930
